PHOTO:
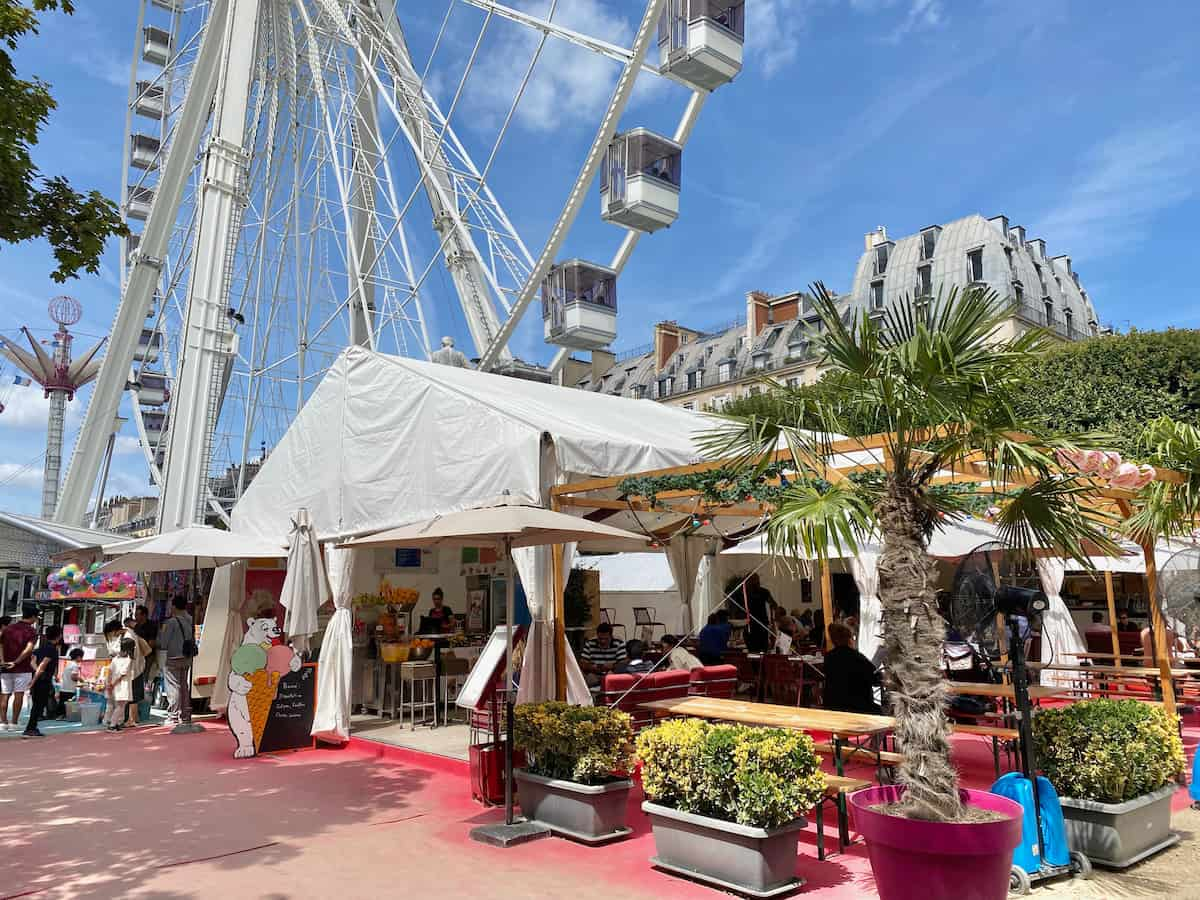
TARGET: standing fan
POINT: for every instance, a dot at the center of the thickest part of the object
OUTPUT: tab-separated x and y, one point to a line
970	608
1179	585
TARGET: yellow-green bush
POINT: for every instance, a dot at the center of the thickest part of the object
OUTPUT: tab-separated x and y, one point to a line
1108	750
586	744
764	777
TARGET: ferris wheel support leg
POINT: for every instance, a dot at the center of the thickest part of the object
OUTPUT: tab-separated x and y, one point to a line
207	337
646	36
144	276
367	149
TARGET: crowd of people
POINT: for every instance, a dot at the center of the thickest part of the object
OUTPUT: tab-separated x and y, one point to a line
139	649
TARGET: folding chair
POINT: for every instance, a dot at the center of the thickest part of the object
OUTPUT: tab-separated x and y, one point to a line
608	616
645	620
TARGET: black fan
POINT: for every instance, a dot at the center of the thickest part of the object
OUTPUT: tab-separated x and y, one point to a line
970	606
1179	585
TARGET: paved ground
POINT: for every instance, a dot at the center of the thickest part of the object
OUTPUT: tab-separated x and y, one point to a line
147	814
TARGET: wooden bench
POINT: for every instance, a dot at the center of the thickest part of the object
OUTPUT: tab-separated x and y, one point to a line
836	789
995	732
882	759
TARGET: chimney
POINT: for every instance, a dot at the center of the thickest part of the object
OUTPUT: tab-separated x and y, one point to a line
666	342
874	238
1039	248
1000	222
1017	233
1066	261
758	313
602	363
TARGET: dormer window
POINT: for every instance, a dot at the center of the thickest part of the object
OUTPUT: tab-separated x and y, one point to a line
1018	292
876	295
638	392
882	252
929	239
1069	318
1041	278
725	371
695	380
975	265
1008	253
1048	305
771	338
924	281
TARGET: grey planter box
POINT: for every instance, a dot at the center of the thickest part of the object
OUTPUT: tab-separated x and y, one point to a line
1120	834
589	813
758	862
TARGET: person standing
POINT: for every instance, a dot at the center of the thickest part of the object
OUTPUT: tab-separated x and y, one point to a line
758	609
45	662
139	669
175	636
120	685
148	632
16	673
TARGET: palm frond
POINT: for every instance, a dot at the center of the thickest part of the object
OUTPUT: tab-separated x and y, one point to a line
810	523
1049	515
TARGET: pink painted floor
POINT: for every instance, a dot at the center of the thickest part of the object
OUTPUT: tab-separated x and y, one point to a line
150	815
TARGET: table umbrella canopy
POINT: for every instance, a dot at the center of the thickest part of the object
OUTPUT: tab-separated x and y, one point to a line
197	546
306	586
524	526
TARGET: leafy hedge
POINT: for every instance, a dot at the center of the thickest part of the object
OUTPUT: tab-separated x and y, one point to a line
762	777
1108	750
585	744
1113	384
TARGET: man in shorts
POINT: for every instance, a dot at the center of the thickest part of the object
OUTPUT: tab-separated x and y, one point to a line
16	665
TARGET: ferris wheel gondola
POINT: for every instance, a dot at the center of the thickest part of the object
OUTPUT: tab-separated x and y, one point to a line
270	227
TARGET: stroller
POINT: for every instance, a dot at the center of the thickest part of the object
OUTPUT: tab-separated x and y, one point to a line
964	661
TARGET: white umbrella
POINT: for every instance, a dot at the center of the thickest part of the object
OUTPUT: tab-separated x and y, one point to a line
196	546
505	526
306	586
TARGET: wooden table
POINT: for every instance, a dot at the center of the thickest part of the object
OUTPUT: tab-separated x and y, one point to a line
1000	691
1143	671
797	718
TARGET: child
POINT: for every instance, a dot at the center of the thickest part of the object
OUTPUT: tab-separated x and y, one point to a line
69	684
120	685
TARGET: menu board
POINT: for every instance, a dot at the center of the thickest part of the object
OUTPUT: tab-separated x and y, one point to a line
290	721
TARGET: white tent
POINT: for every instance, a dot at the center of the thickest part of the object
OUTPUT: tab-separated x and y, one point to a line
385	441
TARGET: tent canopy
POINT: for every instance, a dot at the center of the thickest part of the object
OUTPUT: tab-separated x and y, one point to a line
197	545
384	441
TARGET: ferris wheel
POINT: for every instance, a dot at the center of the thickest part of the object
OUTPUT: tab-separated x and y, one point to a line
293	187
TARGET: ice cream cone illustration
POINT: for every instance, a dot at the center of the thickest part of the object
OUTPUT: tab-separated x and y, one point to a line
264	686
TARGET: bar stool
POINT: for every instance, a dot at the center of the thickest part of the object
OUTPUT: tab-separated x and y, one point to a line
424	676
454	674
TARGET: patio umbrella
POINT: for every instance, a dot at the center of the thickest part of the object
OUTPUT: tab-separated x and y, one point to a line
197	546
306	586
506	526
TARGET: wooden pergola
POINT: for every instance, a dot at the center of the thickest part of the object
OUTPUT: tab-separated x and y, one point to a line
601	499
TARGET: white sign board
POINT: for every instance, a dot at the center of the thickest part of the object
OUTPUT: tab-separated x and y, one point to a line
485	667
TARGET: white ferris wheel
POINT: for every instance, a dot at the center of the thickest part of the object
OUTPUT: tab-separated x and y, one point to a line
282	158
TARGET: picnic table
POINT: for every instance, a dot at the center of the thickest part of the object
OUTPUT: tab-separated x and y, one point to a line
1001	691
840	725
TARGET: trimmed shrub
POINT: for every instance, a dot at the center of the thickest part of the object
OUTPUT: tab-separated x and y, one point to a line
1108	750
584	744
762	777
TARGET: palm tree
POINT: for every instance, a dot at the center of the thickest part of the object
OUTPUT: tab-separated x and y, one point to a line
935	377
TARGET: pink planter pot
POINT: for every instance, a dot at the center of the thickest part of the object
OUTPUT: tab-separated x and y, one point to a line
936	860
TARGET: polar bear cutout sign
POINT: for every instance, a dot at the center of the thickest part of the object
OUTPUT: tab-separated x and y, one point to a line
254	673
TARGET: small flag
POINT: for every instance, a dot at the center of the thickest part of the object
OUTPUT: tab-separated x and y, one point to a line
24	382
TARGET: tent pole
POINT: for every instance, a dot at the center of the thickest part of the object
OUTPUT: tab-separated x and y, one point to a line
826	602
508	697
1162	651
1112	616
560	623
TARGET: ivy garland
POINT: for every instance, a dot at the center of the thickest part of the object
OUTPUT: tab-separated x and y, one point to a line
725	486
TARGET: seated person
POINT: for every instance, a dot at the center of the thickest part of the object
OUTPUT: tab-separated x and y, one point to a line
713	639
678	656
784	622
1124	623
1097	626
850	678
601	654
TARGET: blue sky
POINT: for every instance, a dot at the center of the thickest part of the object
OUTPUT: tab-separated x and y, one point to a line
1079	120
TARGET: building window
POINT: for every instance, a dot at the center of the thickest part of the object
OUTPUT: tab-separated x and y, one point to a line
695	379
881	258
795	381
924	281
771	338
639	392
689	405
665	386
1018	292
975	265
1008	254
876	295
1069	318
1049	307
654	390
1041	278
928	243
724	371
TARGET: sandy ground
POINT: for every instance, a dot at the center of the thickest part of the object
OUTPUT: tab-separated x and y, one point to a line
1172	873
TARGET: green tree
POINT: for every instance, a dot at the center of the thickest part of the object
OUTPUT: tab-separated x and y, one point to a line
32	204
919	363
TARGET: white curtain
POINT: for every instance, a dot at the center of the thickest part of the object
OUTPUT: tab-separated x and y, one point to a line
708	590
865	568
1060	638
683	556
534	565
229	587
305	587
334	674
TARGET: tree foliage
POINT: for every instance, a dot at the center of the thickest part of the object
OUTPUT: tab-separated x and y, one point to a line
32	204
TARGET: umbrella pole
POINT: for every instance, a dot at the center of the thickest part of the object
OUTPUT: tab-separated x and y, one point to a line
510	614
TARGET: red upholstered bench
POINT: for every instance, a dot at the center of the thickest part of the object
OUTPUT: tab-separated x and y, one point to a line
629	692
714	681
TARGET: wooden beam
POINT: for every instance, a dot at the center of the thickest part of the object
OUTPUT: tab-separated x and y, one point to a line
735	512
1162	651
1112	615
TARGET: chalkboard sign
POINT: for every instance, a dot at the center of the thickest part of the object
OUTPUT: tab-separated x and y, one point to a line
291	717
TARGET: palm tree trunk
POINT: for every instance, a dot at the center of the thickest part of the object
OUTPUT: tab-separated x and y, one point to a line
913	635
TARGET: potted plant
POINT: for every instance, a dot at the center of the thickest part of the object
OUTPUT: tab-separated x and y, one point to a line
924	387
727	802
1113	762
574	782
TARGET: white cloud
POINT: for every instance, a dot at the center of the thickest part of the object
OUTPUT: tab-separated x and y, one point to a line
918	16
26	408
14	476
1123	182
126	444
773	32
